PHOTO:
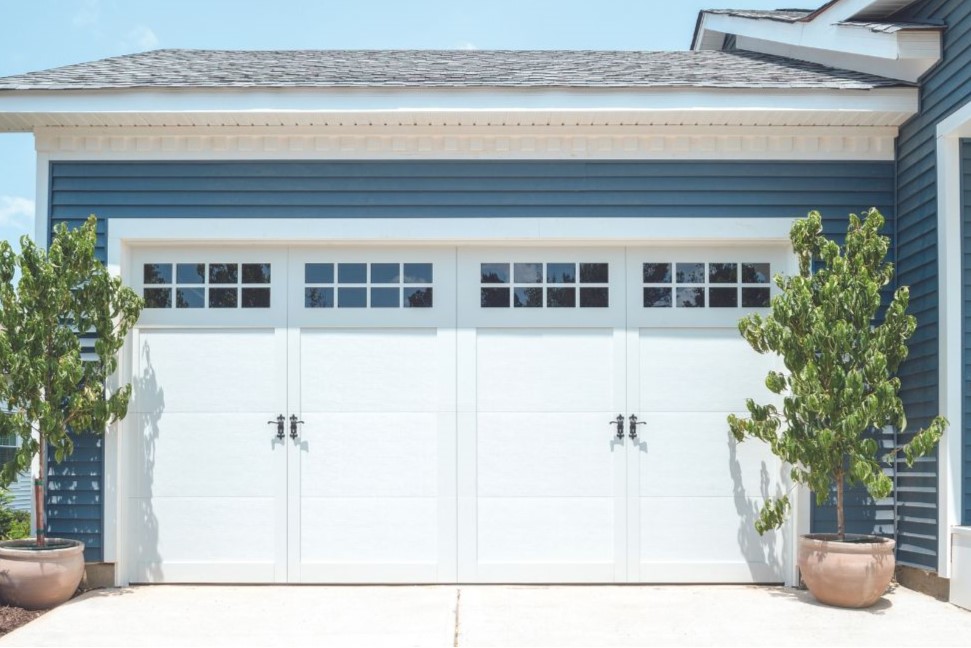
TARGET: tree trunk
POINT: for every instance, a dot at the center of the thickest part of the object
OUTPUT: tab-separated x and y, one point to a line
40	489
840	519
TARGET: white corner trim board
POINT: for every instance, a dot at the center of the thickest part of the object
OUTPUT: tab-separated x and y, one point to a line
474	142
950	301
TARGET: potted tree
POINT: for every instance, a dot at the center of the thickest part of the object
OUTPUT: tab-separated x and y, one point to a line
839	387
51	390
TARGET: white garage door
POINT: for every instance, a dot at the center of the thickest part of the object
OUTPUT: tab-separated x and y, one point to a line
447	415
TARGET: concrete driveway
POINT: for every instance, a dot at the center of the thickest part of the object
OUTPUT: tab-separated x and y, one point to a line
488	616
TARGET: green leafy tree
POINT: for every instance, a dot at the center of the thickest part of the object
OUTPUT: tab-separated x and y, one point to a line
840	382
47	388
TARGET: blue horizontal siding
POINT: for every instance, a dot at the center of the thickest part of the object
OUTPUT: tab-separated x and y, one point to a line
428	189
942	91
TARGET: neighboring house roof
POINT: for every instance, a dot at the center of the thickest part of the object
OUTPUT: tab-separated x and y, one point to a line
783	15
892	27
187	69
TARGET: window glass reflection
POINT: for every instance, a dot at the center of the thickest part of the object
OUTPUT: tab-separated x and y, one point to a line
256	297
318	297
158	273
318	273
723	272
560	273
755	297
691	297
256	273
657	298
528	298
352	297
351	273
594	272
157	297
757	273
528	272
418	273
383	273
417	298
657	273
223	273
594	297
561	297
494	297
190	297
190	273
723	297
494	273
690	273
385	297
222	298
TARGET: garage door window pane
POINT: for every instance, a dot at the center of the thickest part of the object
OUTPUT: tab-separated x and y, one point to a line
755	273
755	297
705	285
528	273
256	297
691	297
659	273
352	273
158	297
157	273
723	273
190	273
594	298
385	298
256	273
528	298
417	297
561	273
222	298
314	273
690	273
494	298
190	297
385	273
352	297
723	297
223	273
495	273
561	297
594	272
416	273
657	298
318	297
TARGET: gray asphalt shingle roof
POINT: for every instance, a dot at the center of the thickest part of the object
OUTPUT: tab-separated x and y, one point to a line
175	68
795	15
782	15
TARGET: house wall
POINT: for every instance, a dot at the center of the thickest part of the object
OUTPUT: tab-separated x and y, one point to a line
943	90
427	189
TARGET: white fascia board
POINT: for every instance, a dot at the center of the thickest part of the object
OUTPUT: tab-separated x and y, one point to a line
432	101
909	69
908	54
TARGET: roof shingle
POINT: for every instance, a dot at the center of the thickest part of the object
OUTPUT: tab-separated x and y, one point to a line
180	68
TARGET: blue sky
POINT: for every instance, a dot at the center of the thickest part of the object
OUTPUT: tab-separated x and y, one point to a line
48	33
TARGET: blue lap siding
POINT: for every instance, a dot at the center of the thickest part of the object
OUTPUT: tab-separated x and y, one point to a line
944	89
429	189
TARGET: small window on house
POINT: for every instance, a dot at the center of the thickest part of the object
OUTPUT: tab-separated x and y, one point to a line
699	284
206	285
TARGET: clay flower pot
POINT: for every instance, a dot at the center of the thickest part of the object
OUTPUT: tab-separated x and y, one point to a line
37	579
854	573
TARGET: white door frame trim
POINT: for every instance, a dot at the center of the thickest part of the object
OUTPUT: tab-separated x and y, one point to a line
123	234
950	300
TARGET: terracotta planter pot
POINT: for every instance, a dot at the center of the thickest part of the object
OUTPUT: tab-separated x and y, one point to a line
37	579
852	574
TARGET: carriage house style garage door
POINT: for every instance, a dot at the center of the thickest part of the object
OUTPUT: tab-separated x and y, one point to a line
447	414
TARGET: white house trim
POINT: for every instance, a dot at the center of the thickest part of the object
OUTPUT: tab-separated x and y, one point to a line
825	37
481	142
950	300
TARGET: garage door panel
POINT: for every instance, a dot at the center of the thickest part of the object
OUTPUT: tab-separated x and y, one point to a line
183	454
700	370
546	370
370	455
707	530
360	530
379	370
695	455
219	370
531	530
546	455
206	529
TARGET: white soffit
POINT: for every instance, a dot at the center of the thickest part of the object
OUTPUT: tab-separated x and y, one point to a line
835	37
30	110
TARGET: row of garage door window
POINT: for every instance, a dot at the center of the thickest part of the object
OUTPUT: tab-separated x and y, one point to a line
502	285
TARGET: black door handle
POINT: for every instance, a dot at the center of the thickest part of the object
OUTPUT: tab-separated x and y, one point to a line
619	422
279	423
633	425
293	426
